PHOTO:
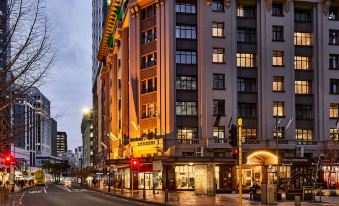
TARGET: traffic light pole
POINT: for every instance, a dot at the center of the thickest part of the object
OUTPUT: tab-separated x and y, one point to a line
240	160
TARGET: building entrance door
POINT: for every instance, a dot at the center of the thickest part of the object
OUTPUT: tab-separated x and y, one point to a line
148	180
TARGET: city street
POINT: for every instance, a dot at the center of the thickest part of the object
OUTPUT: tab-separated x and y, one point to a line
60	195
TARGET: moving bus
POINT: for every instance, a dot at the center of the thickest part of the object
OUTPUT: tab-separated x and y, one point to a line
39	178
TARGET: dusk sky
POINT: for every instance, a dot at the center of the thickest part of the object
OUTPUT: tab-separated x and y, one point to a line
69	86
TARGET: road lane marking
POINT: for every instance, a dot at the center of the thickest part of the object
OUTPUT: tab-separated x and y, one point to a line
45	190
64	188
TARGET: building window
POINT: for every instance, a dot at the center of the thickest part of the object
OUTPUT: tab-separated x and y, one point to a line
186	32
278	109
334	110
185	8
303	134
218	55
149	60
186	108
277	33
302	16
302	62
149	85
147	12
334	86
186	57
246	11
219	132
302	39
218	5
218	81
246	35
334	135
148	36
246	60
187	134
333	14
280	133
278	59
149	110
303	112
249	133
277	10
247	110
334	61
303	87
186	83
278	84
218	29
248	85
218	107
333	37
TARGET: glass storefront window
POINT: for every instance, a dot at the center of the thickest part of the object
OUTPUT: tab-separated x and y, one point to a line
149	181
184	176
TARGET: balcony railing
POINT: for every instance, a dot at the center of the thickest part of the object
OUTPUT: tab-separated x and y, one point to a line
307	142
220	140
146	116
251	141
148	64
187	141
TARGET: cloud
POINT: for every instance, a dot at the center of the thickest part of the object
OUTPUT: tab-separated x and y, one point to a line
69	86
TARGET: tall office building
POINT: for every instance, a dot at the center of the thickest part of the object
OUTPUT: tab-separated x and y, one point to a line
54	131
25	126
44	131
177	74
61	142
88	140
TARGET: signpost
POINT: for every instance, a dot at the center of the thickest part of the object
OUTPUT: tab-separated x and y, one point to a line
240	160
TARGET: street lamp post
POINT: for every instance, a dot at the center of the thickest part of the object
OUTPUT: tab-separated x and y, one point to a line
277	154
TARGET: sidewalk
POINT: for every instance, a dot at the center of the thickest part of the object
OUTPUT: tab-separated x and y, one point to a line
189	198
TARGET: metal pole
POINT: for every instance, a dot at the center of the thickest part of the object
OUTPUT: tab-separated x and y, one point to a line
144	190
277	154
240	160
132	184
109	179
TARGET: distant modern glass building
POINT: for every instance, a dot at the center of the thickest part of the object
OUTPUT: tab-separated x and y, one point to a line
88	140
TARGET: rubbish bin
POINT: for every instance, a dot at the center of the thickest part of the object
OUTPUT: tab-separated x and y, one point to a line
297	200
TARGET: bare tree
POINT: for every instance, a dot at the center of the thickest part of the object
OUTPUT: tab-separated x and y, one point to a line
27	52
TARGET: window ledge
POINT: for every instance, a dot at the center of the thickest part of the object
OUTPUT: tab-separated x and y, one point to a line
219	37
222	89
278	40
278	66
282	91
218	62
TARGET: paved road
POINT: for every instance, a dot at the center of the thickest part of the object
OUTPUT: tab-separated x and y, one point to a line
60	195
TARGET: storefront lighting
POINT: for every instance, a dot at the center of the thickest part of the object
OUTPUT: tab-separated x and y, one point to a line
190	164
261	153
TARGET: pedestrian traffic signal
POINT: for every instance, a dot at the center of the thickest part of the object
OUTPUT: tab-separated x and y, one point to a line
235	152
233	135
135	164
8	159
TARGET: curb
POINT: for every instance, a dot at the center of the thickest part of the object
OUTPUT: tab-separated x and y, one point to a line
13	195
130	198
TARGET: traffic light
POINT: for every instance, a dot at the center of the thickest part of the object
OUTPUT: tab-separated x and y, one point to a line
235	152
233	135
135	164
8	159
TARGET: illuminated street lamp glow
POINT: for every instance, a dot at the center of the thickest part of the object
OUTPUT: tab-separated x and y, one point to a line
85	110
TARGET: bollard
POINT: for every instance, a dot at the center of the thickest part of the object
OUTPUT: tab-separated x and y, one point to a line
144	193
166	195
297	200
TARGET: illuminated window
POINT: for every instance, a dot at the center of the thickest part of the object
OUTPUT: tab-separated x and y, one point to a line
246	60
302	62
278	84
304	134
219	132
278	58
303	87
249	133
218	29
334	135
278	109
334	110
187	133
245	11
186	108
186	83
218	55
280	133
302	39
148	110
